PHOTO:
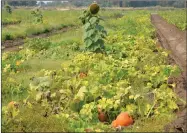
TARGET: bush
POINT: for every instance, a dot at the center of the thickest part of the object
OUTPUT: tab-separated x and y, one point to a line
8	37
8	9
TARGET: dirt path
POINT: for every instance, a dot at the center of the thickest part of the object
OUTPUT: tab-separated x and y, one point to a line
12	45
174	40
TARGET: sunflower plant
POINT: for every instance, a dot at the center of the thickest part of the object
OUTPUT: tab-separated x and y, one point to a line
94	33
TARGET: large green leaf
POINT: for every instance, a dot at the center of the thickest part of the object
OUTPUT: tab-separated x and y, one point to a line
93	20
87	26
88	42
81	92
90	33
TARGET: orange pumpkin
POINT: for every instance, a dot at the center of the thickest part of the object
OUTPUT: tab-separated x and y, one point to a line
114	123
102	117
82	75
124	119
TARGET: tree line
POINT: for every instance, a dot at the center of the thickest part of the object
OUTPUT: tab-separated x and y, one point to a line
22	3
126	3
103	3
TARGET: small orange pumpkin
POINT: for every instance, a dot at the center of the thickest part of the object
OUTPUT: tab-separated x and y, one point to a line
124	119
82	75
101	115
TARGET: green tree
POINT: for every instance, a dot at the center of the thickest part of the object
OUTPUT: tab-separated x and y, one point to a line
179	3
23	3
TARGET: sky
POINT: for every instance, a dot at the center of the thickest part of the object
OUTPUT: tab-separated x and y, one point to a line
46	1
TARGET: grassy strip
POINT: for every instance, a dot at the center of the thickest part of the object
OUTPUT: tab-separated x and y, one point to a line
176	17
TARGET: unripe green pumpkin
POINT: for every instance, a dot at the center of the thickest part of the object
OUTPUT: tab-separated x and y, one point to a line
94	8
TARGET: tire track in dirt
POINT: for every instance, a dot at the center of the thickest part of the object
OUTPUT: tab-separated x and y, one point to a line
13	45
174	40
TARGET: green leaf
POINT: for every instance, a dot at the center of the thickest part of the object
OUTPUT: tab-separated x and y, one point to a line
99	27
131	108
39	96
86	26
167	71
172	105
121	73
93	20
88	42
81	92
90	32
100	41
96	37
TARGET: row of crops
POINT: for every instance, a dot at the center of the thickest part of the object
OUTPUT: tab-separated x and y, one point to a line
69	92
175	17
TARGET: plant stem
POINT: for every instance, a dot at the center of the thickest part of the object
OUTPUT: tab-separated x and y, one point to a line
151	108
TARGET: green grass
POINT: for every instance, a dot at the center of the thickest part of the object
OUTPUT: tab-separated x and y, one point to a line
74	35
176	17
27	27
153	124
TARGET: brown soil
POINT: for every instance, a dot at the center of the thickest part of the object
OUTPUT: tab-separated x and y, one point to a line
12	45
174	40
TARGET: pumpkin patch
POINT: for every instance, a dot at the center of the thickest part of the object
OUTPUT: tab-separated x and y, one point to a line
118	82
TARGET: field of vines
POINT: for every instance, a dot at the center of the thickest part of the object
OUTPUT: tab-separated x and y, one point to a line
55	84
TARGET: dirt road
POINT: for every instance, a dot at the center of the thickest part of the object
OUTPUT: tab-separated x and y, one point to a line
174	40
